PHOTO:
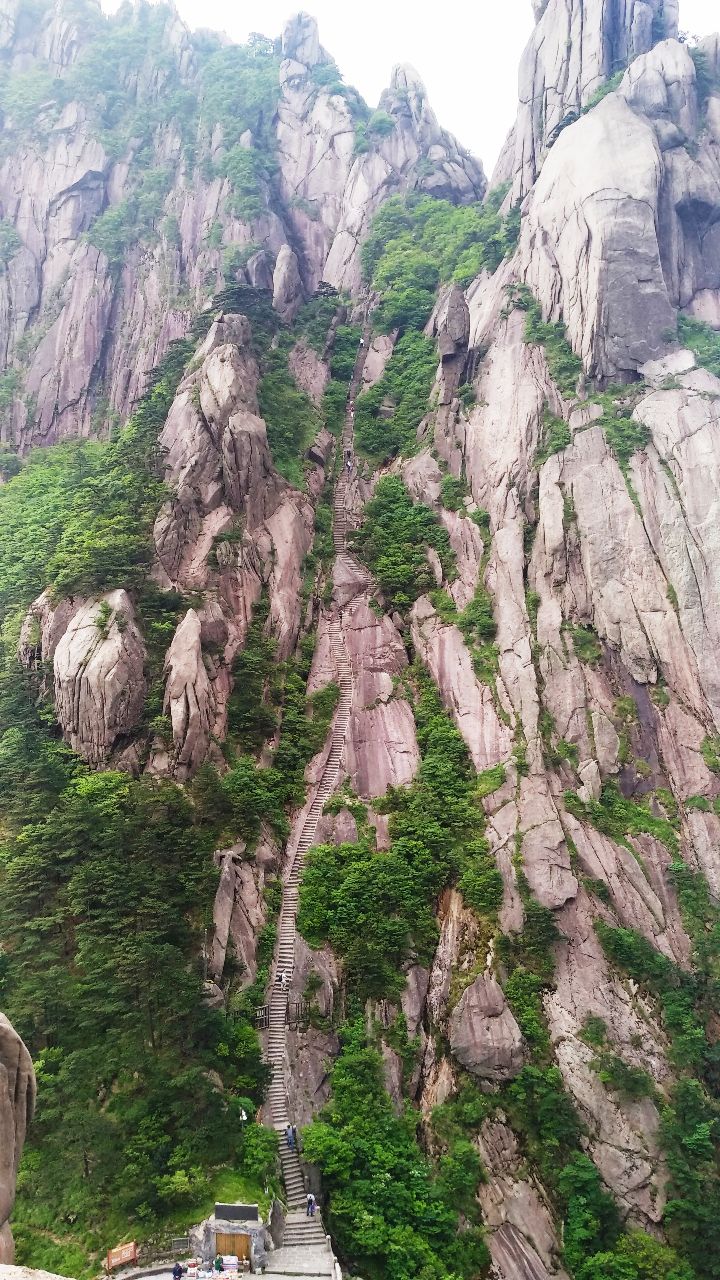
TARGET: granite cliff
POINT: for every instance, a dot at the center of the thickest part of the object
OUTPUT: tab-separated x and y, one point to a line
509	918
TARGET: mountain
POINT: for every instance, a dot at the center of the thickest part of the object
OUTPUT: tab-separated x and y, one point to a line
358	549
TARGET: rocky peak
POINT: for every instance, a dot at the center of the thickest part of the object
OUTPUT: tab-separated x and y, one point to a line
575	47
301	41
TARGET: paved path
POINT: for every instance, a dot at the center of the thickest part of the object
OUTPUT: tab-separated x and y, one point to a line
302	1260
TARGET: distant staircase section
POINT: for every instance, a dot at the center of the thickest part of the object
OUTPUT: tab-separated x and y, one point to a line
301	1230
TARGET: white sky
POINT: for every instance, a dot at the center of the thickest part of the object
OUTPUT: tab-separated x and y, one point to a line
467	52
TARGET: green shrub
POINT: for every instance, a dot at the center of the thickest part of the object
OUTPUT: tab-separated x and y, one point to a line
416	241
333	406
636	1256
555	437
705	80
698	802
10	241
586	644
453	493
631	1082
603	90
618	817
291	418
702	340
481	884
314	318
625	435
251	714
388	1211
240	90
594	1030
247	172
393	542
388	415
344	351
24	93
592	1221
565	367
123	225
710	750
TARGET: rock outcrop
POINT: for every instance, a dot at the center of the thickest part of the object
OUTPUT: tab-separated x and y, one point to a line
642	218
17	1103
575	47
99	679
84	316
483	1033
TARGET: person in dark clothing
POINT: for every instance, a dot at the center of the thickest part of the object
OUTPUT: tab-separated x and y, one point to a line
218	1263
310	1205
177	1271
290	1136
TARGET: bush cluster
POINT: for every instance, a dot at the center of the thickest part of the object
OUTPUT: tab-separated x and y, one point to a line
393	541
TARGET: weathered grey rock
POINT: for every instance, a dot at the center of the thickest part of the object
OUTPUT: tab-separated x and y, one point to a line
575	47
309	371
258	269
516	1210
239	910
99	676
17	1103
381	748
483	1033
189	697
287	285
451	322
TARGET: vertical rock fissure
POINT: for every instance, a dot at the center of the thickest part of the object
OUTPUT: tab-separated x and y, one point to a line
300	1229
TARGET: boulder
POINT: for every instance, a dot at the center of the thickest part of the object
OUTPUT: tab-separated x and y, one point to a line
483	1033
189	697
287	285
575	47
99	676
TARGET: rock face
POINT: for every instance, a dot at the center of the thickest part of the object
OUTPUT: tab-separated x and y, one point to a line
99	678
653	254
17	1103
484	1035
575	47
85	320
516	1210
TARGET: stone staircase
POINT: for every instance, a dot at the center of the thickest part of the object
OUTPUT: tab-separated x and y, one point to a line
299	1229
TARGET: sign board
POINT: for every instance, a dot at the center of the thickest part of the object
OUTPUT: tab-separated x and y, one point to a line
121	1255
237	1212
180	1244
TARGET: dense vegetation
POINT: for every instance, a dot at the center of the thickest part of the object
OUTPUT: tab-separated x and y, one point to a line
105	896
389	1210
394	539
417	242
389	414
